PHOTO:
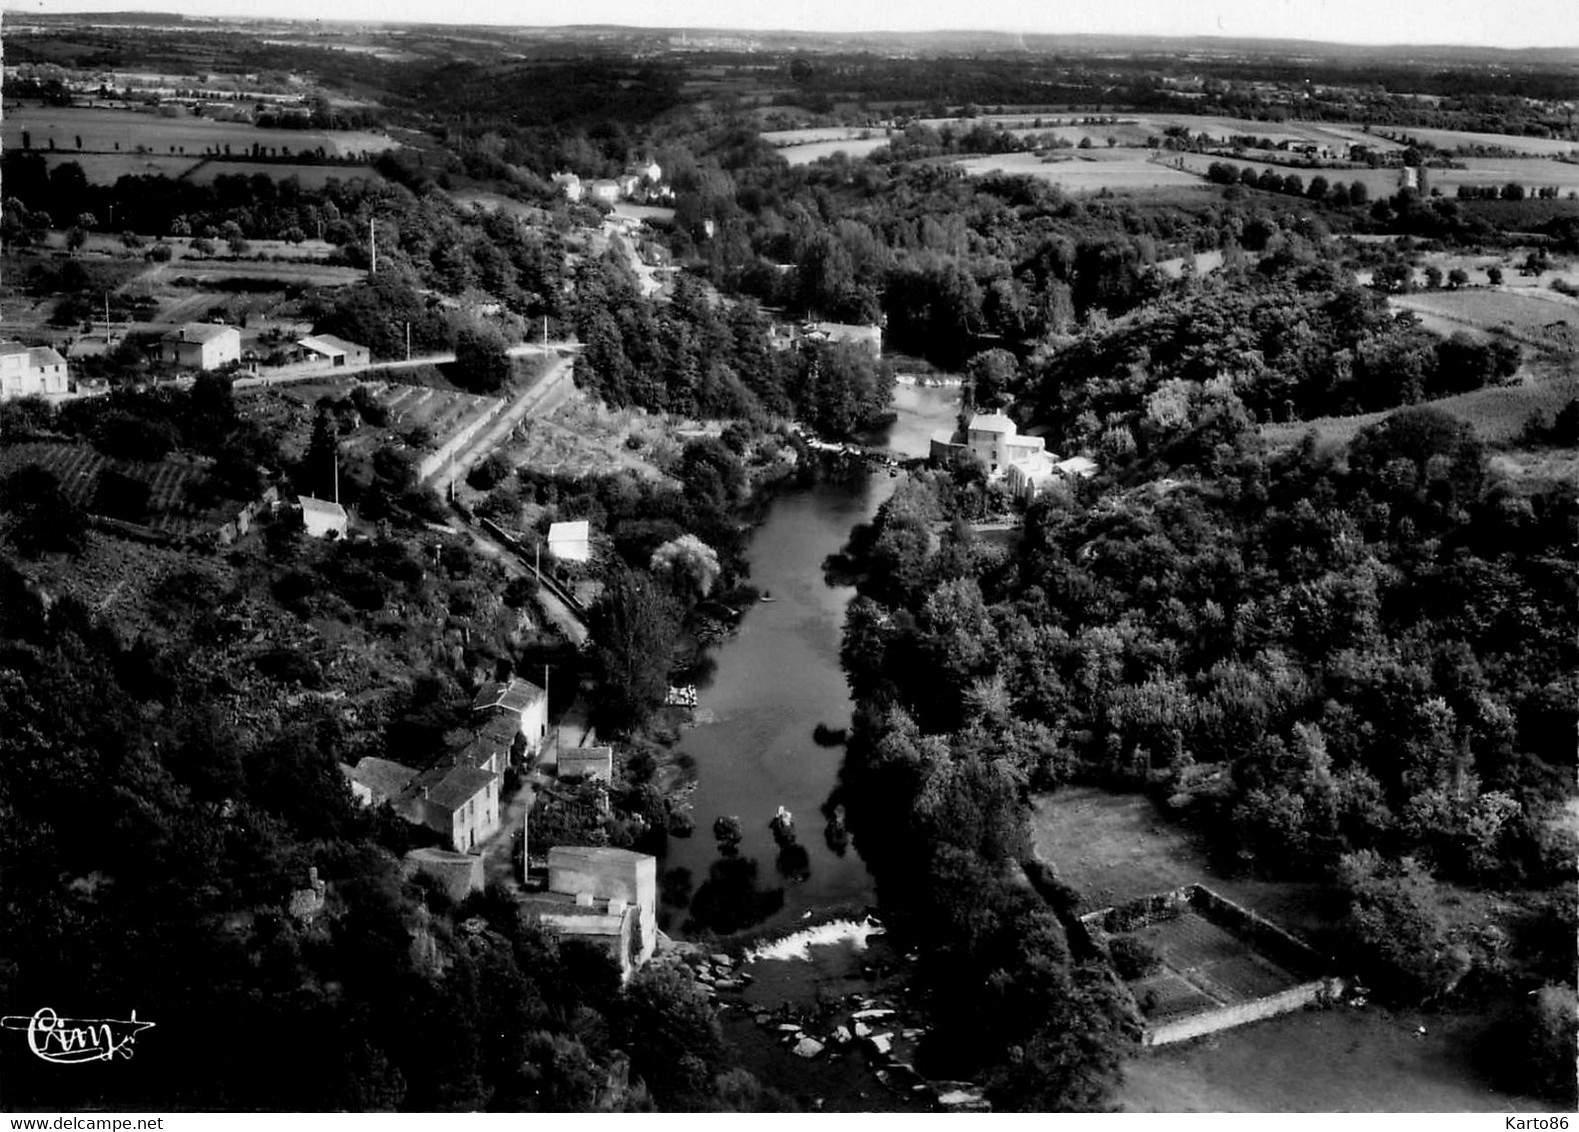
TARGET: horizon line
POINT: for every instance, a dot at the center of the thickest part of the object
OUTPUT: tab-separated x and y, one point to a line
14	11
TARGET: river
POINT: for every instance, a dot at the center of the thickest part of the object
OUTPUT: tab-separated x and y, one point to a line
778	676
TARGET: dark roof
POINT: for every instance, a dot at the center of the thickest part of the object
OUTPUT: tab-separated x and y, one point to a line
517	695
451	787
382	776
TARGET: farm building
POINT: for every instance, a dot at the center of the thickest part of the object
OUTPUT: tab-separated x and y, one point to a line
587	763
29	370
375	781
870	337
460	802
605	896
201	345
570	542
335	351
322	518
570	185
521	701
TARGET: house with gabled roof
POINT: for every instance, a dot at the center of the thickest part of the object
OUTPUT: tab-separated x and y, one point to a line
201	345
519	700
375	781
456	801
26	371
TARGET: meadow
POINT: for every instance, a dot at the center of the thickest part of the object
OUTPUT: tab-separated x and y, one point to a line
109	131
1084	171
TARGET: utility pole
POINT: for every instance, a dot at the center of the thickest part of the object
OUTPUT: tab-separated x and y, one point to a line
545	334
408	339
337	471
372	243
106	319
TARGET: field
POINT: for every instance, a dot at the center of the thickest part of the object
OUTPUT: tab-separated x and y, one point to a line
107	168
807	152
310	176
1540	318
103	130
1517	143
79	467
1090	171
1378	182
1343	1060
1498	412
1114	848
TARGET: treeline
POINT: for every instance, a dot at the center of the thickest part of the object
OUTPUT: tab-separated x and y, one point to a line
699	355
151	861
1355	666
1293	339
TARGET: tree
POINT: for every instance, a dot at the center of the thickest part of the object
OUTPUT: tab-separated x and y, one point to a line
46	519
1359	194
1457	278
728	833
689	565
482	360
634	626
1494	276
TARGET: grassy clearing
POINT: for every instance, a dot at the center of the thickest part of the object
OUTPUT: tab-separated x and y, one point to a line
103	130
1540	318
1341	1060
1498	413
310	176
1114	848
816	151
1081	171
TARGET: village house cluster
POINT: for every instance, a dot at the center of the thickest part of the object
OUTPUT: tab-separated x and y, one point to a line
597	893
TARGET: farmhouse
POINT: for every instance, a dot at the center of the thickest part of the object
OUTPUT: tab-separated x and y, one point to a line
605	896
871	337
29	370
520	701
587	763
201	345
570	185
375	781
322	518
606	190
570	542
335	351
457	801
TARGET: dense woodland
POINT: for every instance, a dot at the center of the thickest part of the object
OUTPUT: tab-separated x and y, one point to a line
1353	664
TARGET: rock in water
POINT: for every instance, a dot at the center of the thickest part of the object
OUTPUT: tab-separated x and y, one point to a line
808	1047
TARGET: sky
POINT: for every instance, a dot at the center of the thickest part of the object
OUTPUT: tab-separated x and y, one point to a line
1490	23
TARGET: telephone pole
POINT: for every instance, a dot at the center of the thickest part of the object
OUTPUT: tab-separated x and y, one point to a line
372	243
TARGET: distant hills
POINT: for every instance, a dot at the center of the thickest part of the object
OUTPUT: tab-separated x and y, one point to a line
939	42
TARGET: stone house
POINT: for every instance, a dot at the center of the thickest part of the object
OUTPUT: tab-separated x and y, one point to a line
522	702
29	370
201	345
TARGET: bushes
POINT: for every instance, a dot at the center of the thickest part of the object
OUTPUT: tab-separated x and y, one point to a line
1133	958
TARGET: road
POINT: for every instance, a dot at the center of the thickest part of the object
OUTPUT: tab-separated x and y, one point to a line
574	629
521	350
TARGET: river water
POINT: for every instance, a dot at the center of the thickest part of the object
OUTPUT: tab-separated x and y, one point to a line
778	676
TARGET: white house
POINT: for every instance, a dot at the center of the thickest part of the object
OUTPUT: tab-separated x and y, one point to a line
201	345
994	439
604	896
29	370
322	518
460	802
520	700
570	185
570	542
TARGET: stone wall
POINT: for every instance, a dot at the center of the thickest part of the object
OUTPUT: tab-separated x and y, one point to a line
1211	1021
